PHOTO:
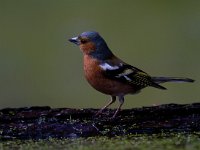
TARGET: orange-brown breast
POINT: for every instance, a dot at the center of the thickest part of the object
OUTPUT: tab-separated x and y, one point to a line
94	75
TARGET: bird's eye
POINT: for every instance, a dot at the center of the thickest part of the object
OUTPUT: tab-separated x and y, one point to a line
83	41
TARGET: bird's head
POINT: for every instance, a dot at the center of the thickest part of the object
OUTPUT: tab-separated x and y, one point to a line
91	43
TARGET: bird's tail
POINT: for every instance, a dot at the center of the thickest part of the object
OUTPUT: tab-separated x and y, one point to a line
158	80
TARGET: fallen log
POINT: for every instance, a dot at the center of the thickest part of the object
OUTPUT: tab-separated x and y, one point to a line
46	122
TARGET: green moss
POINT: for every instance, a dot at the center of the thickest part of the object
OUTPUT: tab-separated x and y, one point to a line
178	141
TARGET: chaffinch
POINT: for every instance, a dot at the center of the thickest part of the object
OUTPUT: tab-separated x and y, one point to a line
109	74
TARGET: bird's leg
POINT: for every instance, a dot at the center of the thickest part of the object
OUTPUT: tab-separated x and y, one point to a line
121	101
113	99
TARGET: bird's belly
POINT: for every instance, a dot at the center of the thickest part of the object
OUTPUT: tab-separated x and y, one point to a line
95	76
108	86
112	88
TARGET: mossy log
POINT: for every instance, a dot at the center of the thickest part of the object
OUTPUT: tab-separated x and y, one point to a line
46	122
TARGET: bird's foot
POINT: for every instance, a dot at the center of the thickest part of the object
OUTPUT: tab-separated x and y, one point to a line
98	113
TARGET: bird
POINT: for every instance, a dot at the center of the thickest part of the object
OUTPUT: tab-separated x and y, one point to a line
110	75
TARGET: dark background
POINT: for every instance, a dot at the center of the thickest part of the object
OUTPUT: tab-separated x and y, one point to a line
38	66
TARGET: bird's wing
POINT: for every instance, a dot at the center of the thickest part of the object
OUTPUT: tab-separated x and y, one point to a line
126	73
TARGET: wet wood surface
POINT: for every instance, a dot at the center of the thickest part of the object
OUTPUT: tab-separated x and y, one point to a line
46	122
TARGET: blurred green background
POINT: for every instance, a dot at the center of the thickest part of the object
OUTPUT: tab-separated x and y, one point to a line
38	66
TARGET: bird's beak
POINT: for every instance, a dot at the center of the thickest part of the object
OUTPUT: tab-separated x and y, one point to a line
75	40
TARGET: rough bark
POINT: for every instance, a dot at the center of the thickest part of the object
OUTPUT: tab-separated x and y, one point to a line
46	122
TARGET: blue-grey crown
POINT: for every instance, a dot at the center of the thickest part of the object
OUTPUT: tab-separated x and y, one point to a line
102	51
